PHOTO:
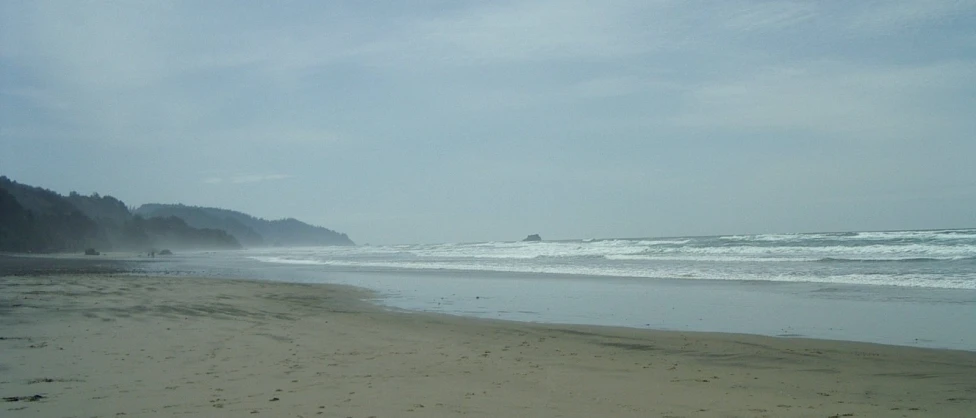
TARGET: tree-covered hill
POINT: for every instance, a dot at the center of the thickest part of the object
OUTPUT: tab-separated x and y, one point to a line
33	219
248	229
37	220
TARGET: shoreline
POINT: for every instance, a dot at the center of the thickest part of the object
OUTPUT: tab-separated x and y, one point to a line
104	344
812	311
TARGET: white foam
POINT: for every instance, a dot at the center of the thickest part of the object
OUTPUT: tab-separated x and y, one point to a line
765	258
876	251
673	249
288	260
937	235
917	280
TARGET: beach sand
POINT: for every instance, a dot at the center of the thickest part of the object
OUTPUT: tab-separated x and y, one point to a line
106	345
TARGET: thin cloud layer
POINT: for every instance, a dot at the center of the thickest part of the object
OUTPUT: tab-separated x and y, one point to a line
247	178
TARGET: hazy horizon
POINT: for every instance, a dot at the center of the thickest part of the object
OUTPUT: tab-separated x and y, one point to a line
562	238
428	121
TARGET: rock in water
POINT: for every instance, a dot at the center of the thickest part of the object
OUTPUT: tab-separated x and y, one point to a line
533	237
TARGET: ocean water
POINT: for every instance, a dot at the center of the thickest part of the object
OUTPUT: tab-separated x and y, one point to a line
915	288
943	259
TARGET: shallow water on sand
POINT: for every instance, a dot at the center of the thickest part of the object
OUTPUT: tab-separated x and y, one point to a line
923	317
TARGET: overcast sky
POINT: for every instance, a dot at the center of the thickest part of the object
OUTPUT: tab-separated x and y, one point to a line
445	121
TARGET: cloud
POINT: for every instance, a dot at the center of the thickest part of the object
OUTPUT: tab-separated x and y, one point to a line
108	68
252	178
525	31
764	16
246	178
617	86
857	102
884	17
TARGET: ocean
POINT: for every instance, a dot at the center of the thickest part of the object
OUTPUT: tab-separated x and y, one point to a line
931	259
914	288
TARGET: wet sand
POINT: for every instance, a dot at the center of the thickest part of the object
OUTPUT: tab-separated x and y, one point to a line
98	344
33	265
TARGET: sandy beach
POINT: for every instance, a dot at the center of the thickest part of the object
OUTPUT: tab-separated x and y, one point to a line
106	345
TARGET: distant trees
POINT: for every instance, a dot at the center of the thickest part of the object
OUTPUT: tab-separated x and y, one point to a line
248	229
16	225
134	235
39	220
174	232
206	218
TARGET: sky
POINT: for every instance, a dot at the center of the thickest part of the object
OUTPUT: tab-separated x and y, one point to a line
459	121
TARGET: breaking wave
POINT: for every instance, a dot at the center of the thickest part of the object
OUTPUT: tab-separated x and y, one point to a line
938	259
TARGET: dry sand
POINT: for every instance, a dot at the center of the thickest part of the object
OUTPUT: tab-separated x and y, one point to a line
112	345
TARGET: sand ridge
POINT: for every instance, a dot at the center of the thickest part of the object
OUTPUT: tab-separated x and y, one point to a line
114	345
